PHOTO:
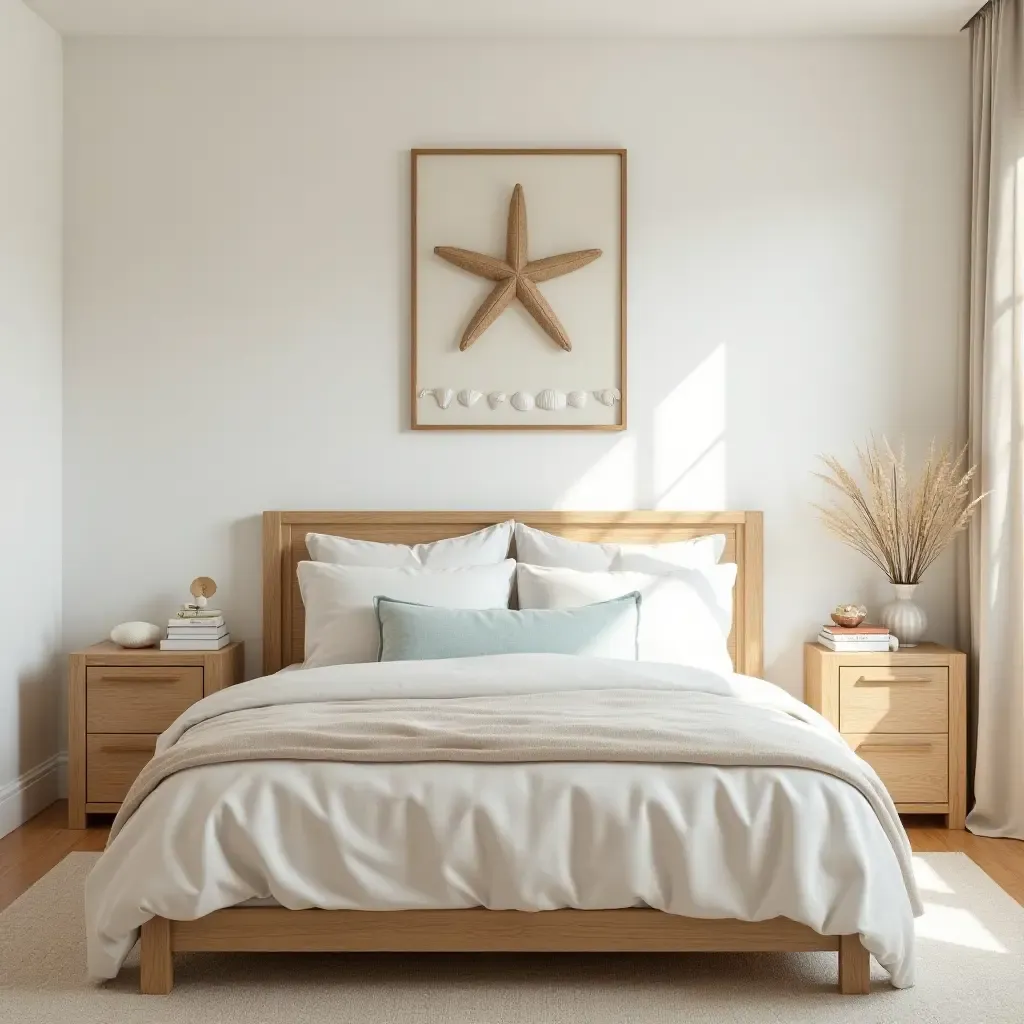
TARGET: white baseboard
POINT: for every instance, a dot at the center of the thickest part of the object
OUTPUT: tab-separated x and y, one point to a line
33	792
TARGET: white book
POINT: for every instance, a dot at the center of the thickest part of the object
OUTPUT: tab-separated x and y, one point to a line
192	644
190	633
195	622
199	613
856	647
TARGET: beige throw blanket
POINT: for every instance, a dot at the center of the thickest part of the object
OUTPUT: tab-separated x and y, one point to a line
615	712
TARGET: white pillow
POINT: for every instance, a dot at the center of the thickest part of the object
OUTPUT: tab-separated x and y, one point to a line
685	615
488	546
341	624
535	547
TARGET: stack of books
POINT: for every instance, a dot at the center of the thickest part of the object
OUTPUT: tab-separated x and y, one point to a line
861	639
196	629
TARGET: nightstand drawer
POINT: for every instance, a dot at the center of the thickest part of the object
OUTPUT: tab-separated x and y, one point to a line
143	699
119	700
891	699
914	767
113	763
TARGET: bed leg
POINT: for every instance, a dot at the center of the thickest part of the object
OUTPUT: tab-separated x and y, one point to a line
854	966
157	974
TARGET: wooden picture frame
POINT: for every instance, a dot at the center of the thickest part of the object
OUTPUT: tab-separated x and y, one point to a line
537	420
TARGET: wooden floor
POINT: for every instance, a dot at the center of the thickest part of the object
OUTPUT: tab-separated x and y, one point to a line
42	843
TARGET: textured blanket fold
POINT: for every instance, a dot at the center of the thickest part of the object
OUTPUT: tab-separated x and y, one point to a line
604	711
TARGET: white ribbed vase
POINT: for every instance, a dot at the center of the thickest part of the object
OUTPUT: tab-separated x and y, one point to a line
903	618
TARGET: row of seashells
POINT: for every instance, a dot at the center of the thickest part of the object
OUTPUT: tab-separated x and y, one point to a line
549	399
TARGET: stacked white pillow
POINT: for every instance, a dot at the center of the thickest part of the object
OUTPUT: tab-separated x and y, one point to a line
686	596
339	585
341	622
535	547
488	546
685	614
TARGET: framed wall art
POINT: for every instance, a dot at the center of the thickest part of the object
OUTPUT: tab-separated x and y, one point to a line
518	289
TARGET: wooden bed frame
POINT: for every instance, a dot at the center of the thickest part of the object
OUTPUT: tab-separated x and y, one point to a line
273	929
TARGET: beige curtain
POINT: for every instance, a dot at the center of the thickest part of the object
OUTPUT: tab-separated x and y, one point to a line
995	417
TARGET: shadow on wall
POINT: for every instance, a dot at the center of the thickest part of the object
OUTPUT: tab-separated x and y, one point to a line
37	707
38	738
245	587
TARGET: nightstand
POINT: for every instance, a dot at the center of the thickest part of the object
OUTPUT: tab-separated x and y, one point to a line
119	701
905	713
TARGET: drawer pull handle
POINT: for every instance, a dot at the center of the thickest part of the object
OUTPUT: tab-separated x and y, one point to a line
898	681
128	748
145	680
895	748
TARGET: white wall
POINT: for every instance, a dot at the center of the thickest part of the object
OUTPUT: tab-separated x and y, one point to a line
30	411
237	294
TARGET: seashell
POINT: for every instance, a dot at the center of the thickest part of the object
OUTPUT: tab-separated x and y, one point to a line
550	400
443	396
577	399
495	398
136	634
522	401
608	396
202	587
468	397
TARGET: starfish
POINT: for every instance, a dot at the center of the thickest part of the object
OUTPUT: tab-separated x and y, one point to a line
517	277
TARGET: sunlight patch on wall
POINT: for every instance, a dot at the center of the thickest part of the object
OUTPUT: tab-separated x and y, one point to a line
609	484
689	440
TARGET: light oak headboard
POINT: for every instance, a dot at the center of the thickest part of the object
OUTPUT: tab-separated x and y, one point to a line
284	546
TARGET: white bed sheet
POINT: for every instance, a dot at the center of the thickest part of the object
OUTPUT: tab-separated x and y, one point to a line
695	840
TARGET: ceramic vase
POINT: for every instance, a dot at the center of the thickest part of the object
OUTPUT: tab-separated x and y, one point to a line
904	619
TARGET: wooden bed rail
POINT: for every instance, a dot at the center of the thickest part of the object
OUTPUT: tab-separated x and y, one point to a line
274	929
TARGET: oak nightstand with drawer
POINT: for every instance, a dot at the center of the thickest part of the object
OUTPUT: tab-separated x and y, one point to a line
905	713
119	701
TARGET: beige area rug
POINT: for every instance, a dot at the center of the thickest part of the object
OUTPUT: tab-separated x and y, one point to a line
970	968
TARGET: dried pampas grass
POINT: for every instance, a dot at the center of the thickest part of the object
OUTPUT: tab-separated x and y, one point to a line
902	525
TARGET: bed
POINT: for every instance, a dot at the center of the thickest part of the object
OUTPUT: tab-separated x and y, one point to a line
868	882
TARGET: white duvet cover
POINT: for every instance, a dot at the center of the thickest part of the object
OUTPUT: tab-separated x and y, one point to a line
699	840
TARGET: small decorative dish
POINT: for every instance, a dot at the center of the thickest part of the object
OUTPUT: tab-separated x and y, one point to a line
848	615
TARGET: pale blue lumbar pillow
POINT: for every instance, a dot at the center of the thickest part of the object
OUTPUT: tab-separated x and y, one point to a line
413	632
